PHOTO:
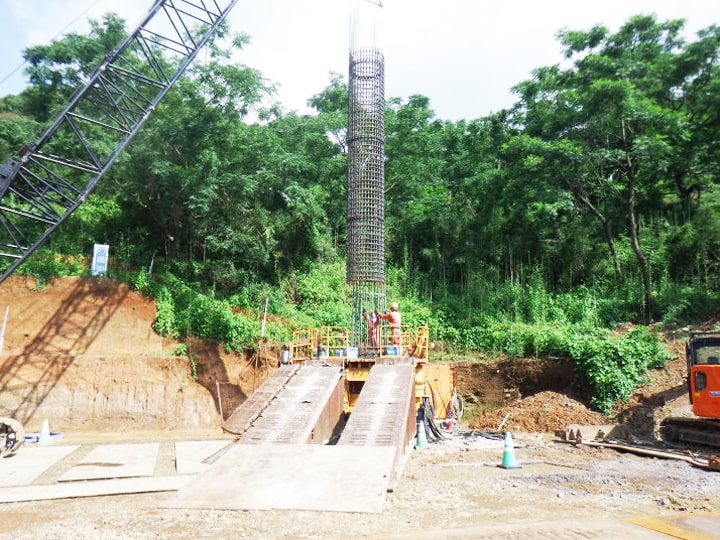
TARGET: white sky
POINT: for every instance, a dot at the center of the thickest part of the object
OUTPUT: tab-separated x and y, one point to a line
465	55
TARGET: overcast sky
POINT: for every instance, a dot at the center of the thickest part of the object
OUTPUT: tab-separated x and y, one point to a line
465	55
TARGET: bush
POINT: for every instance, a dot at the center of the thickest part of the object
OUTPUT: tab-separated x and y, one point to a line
45	265
183	311
678	303
614	365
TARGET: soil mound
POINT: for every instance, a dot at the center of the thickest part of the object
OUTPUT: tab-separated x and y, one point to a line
542	412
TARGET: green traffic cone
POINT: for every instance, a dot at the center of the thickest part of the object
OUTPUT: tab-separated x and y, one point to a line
421	441
509	461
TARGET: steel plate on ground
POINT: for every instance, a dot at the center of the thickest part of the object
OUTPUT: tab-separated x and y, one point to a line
30	462
95	488
695	526
190	456
115	461
292	477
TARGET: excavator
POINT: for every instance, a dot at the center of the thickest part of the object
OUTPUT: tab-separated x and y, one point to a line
703	385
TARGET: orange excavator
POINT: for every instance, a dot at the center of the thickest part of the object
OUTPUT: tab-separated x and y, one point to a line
703	380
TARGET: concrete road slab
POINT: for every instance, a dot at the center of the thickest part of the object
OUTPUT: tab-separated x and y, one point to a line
115	461
568	529
71	490
189	455
30	462
292	477
695	526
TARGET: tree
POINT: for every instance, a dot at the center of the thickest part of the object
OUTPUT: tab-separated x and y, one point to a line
56	70
607	128
187	168
415	194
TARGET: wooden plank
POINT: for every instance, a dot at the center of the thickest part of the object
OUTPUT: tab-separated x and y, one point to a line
95	488
30	462
293	477
115	461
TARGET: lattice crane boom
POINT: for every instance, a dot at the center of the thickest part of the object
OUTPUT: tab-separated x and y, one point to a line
54	175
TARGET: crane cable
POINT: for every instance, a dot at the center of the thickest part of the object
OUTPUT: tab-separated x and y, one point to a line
58	34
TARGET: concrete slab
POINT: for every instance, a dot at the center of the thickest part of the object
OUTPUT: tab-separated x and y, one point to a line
115	461
189	455
70	490
567	529
292	477
30	462
695	526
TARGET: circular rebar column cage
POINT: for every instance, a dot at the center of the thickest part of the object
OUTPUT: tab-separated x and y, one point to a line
366	168
366	298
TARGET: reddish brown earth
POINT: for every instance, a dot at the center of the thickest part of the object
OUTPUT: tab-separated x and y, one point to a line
82	353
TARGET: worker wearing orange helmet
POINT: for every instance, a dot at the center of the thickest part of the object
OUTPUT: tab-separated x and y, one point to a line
394	319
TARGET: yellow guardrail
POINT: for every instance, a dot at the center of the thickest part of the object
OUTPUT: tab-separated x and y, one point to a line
334	341
304	344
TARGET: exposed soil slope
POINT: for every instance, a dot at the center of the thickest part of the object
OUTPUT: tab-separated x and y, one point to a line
82	353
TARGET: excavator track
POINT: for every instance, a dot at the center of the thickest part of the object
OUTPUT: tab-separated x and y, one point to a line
691	430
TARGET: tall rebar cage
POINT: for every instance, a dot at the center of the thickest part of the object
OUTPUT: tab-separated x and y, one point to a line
366	167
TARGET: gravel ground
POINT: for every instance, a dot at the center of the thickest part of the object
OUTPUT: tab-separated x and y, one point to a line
446	490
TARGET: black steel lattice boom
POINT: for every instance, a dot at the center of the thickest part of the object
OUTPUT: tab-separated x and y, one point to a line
52	177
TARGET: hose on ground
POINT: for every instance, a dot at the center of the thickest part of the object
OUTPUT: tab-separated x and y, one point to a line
428	418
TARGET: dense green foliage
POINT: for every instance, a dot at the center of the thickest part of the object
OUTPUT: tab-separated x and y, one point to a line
594	202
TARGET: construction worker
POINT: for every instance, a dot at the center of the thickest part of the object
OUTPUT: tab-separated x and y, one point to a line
394	319
373	329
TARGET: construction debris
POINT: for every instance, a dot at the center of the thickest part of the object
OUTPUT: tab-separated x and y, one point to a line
599	432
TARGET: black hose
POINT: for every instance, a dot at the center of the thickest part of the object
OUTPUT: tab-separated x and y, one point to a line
433	432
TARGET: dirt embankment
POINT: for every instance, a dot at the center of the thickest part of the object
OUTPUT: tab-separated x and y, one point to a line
81	352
